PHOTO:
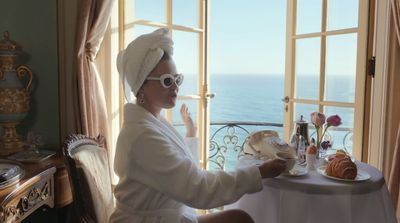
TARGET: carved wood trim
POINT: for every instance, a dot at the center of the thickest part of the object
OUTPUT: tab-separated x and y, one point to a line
41	193
35	196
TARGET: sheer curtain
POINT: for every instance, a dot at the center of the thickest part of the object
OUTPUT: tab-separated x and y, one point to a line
395	5
392	157
84	97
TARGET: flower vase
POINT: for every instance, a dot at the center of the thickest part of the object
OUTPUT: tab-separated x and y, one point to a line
321	152
311	160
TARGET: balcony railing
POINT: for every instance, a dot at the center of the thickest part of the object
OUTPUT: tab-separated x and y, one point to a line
227	140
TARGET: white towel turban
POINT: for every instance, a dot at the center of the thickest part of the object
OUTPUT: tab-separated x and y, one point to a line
140	57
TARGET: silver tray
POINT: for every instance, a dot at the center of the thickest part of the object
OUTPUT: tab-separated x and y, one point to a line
32	156
14	169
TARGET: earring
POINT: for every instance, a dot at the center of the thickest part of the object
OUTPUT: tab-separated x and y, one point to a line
141	98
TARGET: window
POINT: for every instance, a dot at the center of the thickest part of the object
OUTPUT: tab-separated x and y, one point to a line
325	65
254	54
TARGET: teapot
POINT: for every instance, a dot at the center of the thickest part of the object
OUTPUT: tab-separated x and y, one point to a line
300	128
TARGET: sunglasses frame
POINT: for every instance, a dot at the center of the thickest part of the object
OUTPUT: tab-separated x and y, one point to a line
165	76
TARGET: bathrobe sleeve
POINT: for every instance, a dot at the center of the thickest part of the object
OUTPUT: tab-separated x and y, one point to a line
160	164
192	143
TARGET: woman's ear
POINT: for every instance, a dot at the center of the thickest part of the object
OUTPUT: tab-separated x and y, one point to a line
140	91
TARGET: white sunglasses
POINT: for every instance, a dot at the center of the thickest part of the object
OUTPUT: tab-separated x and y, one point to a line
167	80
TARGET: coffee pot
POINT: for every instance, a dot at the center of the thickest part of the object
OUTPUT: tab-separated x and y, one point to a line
15	83
300	131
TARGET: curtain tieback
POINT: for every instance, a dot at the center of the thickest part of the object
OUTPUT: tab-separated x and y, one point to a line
90	52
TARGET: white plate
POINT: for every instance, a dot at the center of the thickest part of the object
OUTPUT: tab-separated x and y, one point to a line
361	175
296	172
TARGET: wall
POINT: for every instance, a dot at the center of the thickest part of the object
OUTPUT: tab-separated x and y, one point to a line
33	24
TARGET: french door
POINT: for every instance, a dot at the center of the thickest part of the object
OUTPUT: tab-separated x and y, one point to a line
326	66
187	24
324	59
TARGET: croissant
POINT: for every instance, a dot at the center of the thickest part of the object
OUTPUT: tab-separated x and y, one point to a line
342	168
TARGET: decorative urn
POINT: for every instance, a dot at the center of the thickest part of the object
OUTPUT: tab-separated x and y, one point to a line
15	83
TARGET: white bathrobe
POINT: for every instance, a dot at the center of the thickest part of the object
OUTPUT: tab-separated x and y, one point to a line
160	179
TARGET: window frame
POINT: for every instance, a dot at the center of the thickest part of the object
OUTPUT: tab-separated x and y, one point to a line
120	21
358	105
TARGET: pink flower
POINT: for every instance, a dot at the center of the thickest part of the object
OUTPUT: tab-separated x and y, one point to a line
318	119
334	120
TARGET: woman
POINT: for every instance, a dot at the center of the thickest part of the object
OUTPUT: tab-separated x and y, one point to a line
159	176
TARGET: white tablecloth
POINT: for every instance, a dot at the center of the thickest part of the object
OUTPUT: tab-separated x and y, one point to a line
314	198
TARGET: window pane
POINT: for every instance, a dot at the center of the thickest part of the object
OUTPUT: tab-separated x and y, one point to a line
186	57
185	12
137	30
307	68
342	14
309	13
342	135
129	36
238	96
258	37
249	76
114	17
154	10
304	110
176	118
341	59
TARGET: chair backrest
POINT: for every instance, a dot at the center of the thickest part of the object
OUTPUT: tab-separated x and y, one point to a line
89	173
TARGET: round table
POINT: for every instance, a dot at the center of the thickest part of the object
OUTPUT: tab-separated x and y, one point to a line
314	198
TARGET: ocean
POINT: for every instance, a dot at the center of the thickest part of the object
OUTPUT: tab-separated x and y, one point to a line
258	98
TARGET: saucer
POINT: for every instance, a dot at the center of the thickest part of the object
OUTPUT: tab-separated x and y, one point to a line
296	172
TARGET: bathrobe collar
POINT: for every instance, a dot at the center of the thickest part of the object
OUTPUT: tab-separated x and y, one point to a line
139	114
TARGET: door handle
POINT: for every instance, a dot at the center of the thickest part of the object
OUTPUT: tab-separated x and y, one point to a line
210	95
286	99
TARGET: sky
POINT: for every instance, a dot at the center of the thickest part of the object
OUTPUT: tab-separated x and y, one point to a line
249	37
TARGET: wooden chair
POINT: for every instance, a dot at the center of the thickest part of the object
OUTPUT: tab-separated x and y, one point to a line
89	173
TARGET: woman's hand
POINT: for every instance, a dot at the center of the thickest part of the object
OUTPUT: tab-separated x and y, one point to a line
191	129
272	168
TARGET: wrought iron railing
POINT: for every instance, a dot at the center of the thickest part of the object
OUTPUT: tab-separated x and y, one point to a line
228	138
227	141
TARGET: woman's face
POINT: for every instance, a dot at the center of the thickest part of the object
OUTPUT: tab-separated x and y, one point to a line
156	96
